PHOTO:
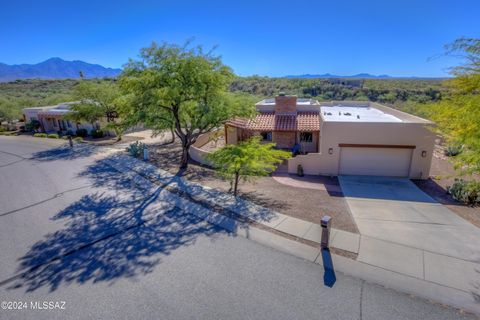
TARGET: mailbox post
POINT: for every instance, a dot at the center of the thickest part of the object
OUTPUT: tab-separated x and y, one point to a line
326	223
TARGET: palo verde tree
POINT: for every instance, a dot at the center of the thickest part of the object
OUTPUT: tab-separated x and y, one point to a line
99	99
180	87
458	115
246	160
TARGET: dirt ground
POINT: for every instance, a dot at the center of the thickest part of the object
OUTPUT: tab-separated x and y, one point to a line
443	174
306	204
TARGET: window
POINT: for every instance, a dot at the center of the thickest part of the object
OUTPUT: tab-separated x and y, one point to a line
306	137
267	136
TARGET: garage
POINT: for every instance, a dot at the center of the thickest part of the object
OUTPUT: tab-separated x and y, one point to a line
372	160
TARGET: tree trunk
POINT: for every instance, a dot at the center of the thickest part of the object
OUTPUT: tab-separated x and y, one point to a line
235	186
172	132
185	157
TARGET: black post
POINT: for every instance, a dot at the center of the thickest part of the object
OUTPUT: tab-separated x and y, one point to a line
70	141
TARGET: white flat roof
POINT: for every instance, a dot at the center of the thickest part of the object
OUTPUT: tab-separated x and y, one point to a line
341	113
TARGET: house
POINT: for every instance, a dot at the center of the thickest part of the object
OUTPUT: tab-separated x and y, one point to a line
341	137
52	118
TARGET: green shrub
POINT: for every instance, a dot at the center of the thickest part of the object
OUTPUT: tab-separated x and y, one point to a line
453	151
78	139
69	133
136	148
467	192
82	133
40	135
97	133
53	136
300	170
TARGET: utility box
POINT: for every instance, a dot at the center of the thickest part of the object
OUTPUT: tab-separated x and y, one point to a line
325	223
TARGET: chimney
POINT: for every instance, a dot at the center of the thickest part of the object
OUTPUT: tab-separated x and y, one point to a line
285	104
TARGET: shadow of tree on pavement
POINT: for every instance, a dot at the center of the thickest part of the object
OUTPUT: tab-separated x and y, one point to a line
115	232
64	153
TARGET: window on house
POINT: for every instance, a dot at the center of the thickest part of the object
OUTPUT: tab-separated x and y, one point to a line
69	124
306	137
267	136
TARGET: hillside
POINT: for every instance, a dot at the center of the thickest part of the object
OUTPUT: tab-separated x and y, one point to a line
55	68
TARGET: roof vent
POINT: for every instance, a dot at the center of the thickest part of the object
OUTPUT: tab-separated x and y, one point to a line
358	116
281	93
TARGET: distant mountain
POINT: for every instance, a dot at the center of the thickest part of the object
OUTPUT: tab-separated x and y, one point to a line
328	75
55	68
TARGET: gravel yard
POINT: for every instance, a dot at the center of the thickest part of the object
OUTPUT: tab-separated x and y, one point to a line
306	204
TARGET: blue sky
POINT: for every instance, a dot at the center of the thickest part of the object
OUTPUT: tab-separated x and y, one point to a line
273	38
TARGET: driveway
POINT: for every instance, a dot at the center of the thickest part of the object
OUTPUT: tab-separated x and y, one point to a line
395	210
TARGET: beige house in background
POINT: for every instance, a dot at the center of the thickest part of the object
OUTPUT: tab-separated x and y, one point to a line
52	118
341	137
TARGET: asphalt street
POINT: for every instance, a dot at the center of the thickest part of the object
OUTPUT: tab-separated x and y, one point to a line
76	233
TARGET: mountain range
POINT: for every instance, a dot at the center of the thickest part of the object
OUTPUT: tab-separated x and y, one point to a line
55	68
328	75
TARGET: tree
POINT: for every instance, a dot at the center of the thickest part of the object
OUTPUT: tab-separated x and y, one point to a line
182	88
458	115
246	160
99	99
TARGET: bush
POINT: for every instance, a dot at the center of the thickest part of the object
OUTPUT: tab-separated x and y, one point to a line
136	148
69	133
300	170
97	133
40	135
467	192
82	133
78	139
453	151
53	136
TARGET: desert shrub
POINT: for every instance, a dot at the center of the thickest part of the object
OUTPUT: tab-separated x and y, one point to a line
82	133
78	139
467	192
53	136
40	135
136	148
97	133
32	125
453	150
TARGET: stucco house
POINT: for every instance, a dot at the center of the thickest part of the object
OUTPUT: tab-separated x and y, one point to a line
341	137
52	118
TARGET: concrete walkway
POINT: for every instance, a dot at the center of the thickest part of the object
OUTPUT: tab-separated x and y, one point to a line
444	279
306	182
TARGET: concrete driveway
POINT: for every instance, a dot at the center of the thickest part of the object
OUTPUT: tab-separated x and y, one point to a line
395	210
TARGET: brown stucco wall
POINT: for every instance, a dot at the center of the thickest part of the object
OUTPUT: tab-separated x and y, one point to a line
284	139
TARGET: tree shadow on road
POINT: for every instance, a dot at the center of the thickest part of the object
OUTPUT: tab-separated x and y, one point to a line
64	153
115	232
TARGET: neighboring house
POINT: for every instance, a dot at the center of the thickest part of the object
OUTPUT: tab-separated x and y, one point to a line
342	137
52	118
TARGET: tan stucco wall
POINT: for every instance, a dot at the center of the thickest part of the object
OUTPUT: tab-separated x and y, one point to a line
334	133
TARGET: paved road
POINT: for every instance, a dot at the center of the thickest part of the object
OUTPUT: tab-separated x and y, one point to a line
73	230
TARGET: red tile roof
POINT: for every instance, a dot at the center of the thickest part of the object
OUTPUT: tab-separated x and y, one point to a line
269	121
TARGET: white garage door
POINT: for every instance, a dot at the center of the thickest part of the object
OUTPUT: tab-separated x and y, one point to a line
394	162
